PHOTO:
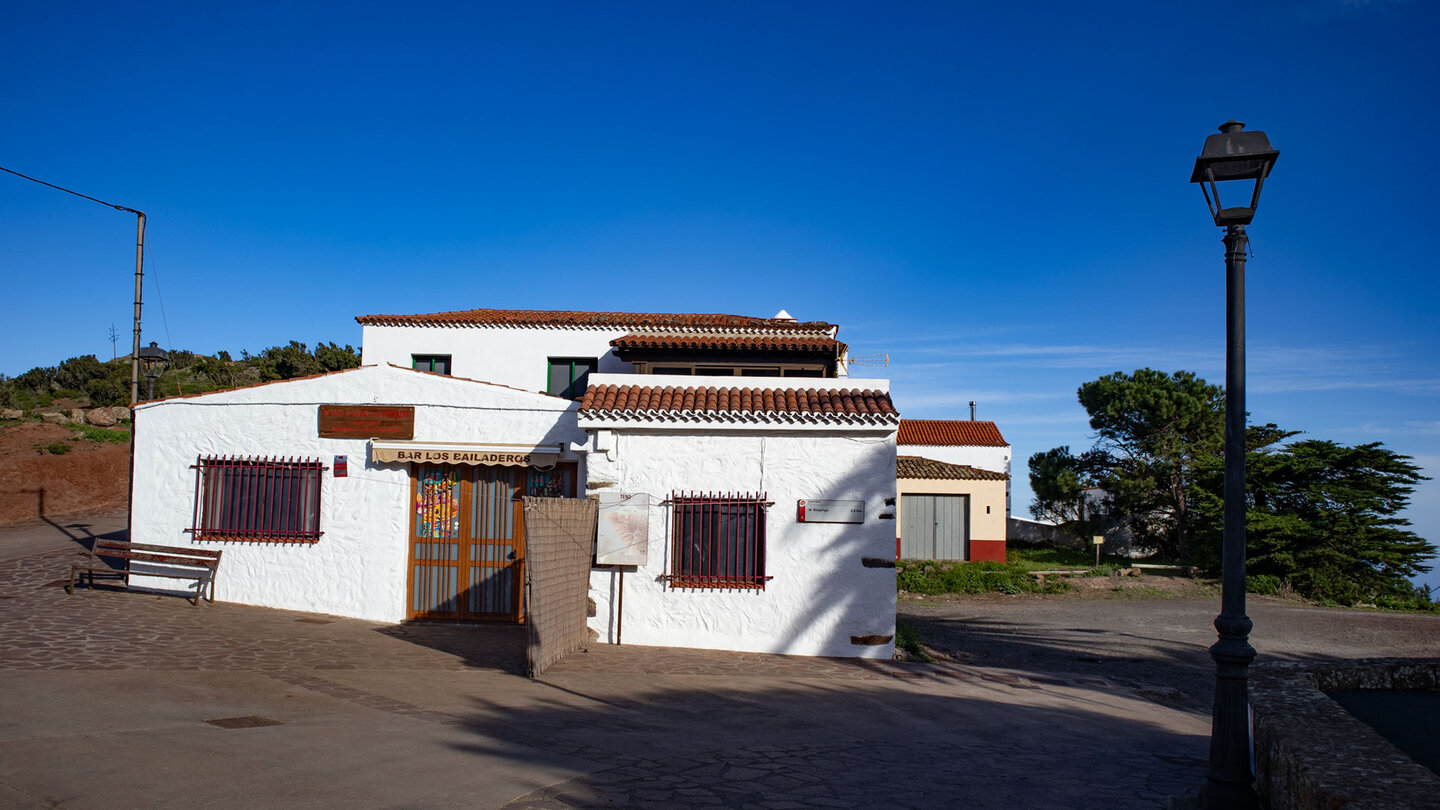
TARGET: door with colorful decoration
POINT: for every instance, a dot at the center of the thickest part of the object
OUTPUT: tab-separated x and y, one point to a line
467	538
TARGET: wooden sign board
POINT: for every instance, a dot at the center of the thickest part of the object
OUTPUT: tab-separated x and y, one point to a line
367	422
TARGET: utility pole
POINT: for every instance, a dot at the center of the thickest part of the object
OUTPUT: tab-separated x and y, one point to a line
139	274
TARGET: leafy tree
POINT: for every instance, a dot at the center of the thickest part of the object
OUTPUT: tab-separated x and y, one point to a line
1059	481
108	391
1153	430
76	373
1323	516
331	357
287	362
218	370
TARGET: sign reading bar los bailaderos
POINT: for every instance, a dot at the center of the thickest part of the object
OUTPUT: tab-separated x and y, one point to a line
502	455
367	422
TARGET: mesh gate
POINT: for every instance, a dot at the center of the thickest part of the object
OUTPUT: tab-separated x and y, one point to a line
560	538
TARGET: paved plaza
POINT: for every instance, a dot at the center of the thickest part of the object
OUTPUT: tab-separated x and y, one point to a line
118	699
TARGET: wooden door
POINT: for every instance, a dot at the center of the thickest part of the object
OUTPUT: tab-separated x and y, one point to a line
467	543
467	538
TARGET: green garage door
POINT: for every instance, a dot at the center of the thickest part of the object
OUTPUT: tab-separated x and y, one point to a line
934	527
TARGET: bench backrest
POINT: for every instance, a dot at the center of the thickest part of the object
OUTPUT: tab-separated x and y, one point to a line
145	552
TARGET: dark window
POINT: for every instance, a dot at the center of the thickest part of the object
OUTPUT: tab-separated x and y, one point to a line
718	542
569	376
673	370
257	499
438	363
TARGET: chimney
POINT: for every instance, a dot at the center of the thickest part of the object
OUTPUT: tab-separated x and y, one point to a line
972	410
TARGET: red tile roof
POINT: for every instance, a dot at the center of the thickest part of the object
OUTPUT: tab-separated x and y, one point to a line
950	433
917	467
594	320
681	340
747	404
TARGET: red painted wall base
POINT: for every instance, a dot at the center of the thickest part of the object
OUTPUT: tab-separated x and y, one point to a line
987	551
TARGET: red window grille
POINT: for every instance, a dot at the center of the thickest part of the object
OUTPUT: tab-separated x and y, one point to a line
718	541
274	500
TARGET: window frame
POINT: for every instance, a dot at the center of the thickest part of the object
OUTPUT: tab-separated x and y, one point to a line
251	499
569	391
730	549
430	360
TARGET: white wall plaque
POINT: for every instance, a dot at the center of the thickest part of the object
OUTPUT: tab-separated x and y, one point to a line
623	535
812	511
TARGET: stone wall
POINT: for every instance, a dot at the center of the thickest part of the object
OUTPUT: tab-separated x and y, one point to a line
1311	753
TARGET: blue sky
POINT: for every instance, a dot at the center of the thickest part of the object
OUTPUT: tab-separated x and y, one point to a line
995	195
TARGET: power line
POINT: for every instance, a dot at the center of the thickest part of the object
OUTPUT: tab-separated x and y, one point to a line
68	191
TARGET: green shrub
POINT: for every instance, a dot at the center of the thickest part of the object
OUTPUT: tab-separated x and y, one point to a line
932	577
57	448
1263	584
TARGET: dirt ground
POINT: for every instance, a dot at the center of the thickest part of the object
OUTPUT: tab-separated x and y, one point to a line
34	483
1153	634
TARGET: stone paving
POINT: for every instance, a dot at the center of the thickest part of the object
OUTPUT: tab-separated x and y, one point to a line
651	727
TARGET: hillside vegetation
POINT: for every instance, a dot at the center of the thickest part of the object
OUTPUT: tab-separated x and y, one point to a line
87	382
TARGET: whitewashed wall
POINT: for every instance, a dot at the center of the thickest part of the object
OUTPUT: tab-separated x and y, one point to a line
358	567
821	594
514	356
994	459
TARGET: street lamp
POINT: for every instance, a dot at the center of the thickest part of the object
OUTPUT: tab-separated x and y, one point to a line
152	357
1233	155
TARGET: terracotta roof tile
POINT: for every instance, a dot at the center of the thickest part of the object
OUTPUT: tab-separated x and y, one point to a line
681	340
950	433
594	320
738	404
917	467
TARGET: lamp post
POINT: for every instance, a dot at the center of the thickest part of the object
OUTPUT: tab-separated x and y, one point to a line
151	358
1233	155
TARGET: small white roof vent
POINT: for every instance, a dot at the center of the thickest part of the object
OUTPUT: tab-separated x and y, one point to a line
782	315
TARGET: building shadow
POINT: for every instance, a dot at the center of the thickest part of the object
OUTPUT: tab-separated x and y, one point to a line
498	646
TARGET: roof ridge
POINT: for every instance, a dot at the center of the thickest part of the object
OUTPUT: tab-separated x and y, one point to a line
520	318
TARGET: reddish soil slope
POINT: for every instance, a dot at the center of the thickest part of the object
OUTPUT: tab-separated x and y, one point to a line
34	483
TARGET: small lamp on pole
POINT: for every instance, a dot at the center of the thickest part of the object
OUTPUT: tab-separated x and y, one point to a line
1234	157
152	362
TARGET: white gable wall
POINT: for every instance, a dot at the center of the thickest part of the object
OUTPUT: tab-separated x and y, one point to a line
994	459
821	594
514	356
358	566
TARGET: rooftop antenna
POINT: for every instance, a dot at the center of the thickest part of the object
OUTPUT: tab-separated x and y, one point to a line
881	359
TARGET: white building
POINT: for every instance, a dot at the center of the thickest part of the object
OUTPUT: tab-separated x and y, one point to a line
391	494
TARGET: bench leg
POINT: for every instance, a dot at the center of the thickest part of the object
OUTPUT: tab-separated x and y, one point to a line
70	583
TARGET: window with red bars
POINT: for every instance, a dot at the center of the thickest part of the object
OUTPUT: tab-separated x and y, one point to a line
718	541
272	500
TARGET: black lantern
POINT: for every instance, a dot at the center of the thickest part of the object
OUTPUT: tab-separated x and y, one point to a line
152	362
1233	155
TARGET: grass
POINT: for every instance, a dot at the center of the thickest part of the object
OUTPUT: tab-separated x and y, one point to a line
907	638
936	577
104	435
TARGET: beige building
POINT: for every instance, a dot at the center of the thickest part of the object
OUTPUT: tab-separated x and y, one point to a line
950	510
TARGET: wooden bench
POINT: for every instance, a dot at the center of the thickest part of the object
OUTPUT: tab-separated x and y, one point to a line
199	564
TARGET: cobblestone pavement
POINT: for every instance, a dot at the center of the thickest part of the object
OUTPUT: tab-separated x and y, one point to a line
631	726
